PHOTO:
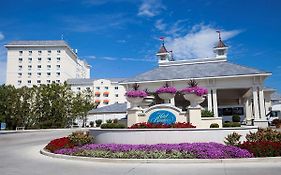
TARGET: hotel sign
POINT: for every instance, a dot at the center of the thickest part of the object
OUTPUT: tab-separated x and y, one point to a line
162	116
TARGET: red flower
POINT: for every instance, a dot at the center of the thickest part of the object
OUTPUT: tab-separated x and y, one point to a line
59	143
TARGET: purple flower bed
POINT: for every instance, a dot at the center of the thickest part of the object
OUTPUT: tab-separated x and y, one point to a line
165	89
136	93
179	151
199	91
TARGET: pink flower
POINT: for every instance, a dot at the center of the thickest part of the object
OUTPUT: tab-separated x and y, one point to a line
166	89
199	91
136	93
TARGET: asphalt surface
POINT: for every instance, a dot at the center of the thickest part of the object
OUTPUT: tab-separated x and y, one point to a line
19	155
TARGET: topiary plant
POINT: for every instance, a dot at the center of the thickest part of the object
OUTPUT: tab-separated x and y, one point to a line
98	122
214	125
236	118
80	138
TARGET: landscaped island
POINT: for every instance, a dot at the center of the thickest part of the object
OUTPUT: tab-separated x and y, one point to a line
263	143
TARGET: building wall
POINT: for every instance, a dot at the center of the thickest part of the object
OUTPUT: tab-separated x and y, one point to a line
57	63
108	92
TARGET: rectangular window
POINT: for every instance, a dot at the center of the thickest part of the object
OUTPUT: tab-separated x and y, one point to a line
39	66
20	67
48	81
19	74
30	52
39	52
19	82
20	59
49	58
39	73
48	73
29	73
48	66
29	59
39	59
116	87
58	66
58	51
58	81
29	81
116	95
106	87
78	88
58	73
20	52
29	67
98	88
49	51
38	81
58	58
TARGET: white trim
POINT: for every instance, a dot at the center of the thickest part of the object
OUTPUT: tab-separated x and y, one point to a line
201	78
192	61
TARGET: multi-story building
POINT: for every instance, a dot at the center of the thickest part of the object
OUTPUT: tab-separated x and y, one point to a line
43	62
105	91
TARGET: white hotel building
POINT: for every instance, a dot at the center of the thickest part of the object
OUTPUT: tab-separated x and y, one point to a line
43	62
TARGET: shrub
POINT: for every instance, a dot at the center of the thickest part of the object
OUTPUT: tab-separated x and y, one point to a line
231	124
92	123
59	143
80	138
236	118
264	135
109	121
214	125
162	125
263	148
112	125
207	113
277	123
98	122
115	120
233	139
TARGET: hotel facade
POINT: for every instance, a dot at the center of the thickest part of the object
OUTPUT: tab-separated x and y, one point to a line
232	88
43	62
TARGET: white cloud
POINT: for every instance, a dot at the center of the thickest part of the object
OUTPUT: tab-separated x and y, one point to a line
138	60
198	42
160	25
1	36
150	8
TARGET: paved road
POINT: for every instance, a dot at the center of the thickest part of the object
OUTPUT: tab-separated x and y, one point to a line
19	155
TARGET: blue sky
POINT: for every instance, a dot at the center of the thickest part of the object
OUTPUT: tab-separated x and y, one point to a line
119	38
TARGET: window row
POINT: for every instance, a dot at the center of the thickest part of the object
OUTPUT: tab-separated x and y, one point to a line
38	73
106	87
39	52
39	59
38	81
39	66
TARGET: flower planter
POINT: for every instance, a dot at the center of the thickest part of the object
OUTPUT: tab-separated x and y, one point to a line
194	99
166	96
135	102
147	101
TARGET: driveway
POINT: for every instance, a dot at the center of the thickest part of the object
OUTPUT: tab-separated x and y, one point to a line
19	155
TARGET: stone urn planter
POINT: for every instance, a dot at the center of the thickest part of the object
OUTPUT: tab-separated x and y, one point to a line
194	99
135	102
147	101
166	96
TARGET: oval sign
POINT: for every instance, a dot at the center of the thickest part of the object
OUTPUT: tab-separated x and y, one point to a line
162	116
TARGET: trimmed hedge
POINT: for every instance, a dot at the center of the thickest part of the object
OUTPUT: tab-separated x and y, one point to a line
112	125
231	124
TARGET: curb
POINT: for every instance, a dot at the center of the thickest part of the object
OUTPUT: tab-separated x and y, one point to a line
39	130
181	161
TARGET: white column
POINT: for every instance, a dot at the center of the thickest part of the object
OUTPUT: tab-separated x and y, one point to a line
215	102
173	101
209	98
256	103
248	115
261	103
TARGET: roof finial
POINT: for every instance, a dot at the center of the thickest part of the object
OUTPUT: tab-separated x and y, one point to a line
219	34
163	40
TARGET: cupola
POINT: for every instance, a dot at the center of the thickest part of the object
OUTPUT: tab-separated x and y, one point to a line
220	49
163	54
